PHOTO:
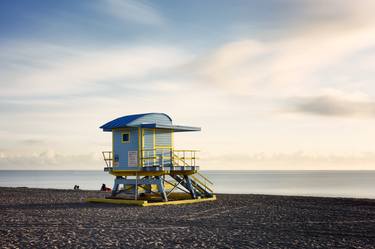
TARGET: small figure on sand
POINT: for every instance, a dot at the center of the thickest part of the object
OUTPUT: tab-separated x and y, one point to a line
76	187
104	188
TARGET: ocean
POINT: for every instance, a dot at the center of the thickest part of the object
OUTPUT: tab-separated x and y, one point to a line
357	184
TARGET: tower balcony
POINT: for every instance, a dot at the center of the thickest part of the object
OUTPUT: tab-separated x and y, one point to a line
159	157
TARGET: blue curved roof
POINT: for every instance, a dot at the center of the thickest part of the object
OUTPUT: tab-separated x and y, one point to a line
126	120
146	120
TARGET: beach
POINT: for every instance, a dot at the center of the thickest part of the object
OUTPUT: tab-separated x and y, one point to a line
51	218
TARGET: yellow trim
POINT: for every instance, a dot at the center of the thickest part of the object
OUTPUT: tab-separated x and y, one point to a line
179	202
135	172
143	143
144	203
154	137
122	137
139	148
113	148
126	172
184	172
172	138
116	201
154	144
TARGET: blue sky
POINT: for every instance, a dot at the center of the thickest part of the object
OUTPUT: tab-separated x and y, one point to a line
274	84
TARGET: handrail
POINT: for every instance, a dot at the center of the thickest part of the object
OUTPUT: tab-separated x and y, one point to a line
108	159
183	161
168	156
159	156
170	149
205	178
200	182
186	150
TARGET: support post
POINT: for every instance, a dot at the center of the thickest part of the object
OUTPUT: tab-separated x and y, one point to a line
148	187
161	188
171	157
115	186
190	187
136	187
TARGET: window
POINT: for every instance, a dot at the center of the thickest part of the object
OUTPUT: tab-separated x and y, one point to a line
125	137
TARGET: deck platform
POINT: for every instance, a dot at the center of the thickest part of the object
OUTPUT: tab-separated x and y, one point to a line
153	170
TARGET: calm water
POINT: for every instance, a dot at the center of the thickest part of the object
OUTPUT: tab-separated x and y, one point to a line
310	183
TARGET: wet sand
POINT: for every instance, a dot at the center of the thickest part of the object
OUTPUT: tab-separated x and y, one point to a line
44	218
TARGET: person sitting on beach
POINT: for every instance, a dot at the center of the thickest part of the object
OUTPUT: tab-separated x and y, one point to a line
104	188
76	187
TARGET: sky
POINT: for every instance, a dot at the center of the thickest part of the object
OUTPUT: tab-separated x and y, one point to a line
275	85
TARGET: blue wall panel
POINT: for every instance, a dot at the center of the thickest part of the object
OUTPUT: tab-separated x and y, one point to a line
121	149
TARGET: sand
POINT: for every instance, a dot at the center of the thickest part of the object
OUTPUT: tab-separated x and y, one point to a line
45	218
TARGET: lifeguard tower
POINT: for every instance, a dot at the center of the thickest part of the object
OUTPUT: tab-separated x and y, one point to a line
145	163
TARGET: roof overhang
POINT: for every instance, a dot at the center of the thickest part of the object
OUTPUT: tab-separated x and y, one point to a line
175	128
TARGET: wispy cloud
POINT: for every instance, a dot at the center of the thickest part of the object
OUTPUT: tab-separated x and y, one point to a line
48	159
133	11
62	70
331	34
251	66
332	106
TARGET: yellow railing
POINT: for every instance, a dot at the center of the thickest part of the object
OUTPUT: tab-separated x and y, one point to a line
155	157
160	157
168	156
186	157
203	183
205	178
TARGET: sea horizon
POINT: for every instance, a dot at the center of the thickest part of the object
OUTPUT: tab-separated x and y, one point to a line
202	170
319	183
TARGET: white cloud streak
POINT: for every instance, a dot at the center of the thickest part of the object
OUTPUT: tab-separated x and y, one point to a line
48	159
250	66
133	11
57	71
330	35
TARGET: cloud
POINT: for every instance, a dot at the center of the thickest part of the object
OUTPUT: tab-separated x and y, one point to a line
33	142
61	70
251	66
326	16
133	11
48	159
334	104
319	36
